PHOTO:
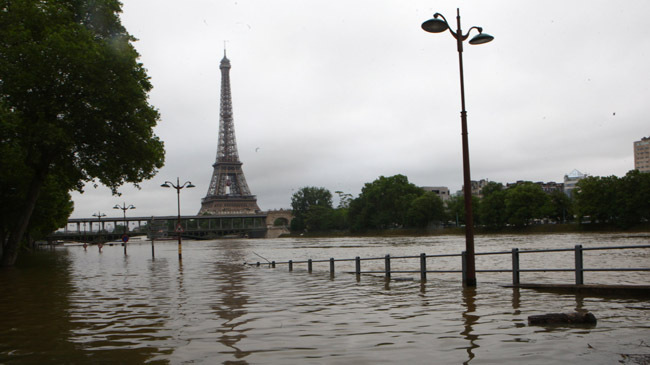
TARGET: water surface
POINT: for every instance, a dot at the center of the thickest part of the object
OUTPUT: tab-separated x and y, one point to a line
74	306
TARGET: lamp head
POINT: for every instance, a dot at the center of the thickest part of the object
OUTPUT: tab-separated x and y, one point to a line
165	185
117	207
190	185
481	38
435	25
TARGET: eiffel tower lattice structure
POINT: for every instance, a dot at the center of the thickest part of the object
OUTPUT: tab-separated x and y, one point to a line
228	193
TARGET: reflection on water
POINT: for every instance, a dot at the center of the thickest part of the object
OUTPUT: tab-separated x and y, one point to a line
232	308
470	319
76	306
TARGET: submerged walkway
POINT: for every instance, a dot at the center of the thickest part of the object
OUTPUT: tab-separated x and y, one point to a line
600	290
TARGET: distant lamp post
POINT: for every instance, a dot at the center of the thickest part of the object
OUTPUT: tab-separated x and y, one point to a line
179	228
125	237
438	24
99	216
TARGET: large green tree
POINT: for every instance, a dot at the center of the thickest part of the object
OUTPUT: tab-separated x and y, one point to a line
598	198
73	101
425	210
624	201
492	210
384	203
525	202
311	208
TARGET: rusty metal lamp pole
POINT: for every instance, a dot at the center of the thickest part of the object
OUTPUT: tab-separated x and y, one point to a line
438	24
125	236
179	228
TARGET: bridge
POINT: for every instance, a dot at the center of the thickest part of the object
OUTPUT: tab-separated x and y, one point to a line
193	227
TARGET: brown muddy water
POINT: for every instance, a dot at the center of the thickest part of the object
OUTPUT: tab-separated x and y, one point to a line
68	305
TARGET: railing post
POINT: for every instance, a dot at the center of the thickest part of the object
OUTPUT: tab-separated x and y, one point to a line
579	267
464	266
423	267
273	264
290	265
357	266
387	264
515	266
309	265
331	266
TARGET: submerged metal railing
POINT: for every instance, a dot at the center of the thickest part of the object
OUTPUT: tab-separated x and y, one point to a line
579	269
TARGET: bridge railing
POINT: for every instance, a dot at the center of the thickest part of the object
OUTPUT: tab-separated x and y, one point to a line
421	262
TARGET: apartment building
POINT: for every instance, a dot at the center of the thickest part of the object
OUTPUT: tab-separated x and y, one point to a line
642	154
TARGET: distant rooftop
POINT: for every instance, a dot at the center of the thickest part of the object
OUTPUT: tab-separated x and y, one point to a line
575	174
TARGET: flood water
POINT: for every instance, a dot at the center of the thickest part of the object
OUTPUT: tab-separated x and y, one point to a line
68	305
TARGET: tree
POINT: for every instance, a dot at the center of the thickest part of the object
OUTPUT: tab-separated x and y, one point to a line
310	205
73	100
384	203
456	209
525	202
561	206
598	198
492	210
425	209
624	201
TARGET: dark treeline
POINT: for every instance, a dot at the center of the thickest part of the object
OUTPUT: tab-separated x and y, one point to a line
394	202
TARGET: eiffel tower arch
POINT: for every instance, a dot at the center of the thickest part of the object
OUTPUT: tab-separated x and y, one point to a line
228	192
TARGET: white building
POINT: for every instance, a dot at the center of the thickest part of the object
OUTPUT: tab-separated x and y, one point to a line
570	181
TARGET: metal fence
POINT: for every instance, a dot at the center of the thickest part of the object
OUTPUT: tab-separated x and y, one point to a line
579	269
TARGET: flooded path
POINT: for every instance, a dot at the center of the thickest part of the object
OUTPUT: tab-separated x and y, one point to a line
74	306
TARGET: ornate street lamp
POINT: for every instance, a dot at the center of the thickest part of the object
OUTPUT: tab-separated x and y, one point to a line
438	24
125	236
99	216
179	228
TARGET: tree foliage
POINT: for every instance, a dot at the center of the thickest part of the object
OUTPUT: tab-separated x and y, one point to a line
525	202
621	201
492	211
73	101
383	204
311	206
425	210
456	209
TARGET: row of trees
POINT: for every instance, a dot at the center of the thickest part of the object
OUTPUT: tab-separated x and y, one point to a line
394	202
73	110
387	202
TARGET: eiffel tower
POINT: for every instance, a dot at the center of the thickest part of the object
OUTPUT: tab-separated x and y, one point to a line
228	193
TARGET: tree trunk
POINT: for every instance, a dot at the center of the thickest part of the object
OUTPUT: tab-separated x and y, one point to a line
16	234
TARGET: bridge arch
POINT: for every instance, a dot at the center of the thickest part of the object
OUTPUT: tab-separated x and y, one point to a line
279	218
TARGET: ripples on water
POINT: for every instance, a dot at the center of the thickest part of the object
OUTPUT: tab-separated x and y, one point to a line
75	306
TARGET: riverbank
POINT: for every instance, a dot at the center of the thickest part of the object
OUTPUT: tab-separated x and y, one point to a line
534	229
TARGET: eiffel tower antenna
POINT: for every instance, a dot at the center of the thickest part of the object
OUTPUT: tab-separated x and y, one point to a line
228	192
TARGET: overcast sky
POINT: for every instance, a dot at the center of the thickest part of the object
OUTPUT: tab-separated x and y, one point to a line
336	93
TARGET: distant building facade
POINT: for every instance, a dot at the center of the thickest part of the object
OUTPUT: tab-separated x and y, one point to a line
441	191
477	188
570	181
642	154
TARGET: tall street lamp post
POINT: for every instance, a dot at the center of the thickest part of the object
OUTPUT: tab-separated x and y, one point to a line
438	24
179	228
125	236
99	216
